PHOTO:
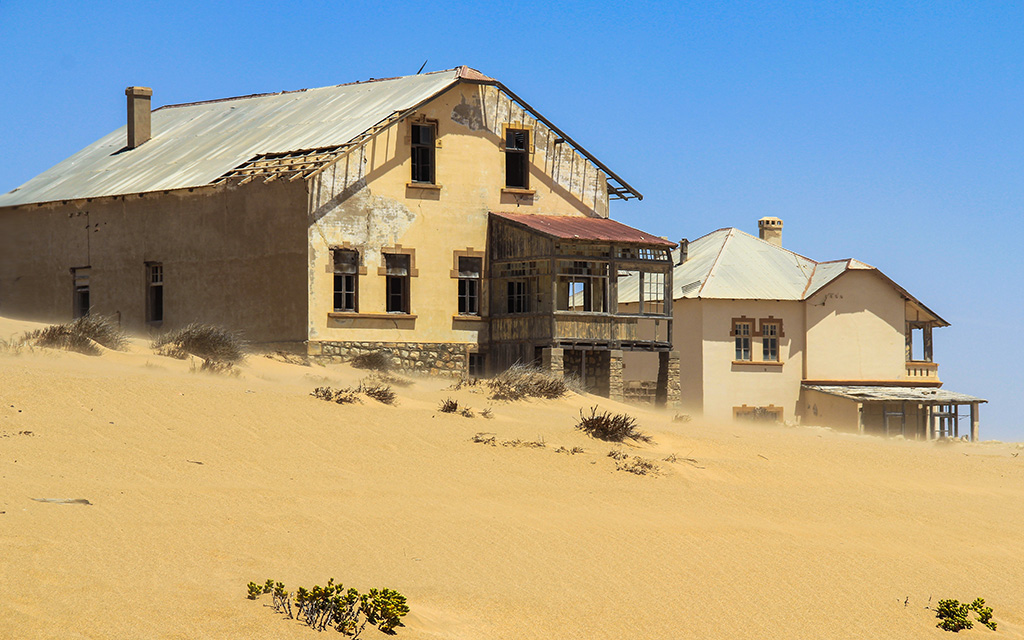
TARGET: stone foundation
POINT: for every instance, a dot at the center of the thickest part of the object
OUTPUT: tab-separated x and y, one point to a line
434	358
669	393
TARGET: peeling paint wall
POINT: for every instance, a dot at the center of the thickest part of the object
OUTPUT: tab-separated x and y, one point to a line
366	201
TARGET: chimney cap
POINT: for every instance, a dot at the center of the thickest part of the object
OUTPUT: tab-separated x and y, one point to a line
138	91
769	221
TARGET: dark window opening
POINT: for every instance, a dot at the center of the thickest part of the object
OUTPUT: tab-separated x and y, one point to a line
397	294
477	364
346	280
155	293
81	303
582	286
517	145
423	153
470	271
518	298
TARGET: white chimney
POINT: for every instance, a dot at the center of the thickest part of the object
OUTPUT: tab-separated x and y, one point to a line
770	230
138	115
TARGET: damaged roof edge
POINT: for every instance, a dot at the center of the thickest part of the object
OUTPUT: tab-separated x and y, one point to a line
623	185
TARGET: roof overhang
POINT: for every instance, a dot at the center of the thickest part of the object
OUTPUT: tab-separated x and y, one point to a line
919	395
582	229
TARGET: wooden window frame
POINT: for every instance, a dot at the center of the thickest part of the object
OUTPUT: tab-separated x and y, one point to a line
479	281
766	339
523	155
360	270
431	148
382	270
80	277
751	326
154	294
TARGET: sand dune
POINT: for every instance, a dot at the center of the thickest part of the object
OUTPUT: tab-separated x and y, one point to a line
199	483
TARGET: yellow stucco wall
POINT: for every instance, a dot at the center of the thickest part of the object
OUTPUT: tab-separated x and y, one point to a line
365	202
725	384
822	409
855	330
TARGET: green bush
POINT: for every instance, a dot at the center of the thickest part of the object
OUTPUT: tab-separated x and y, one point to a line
954	615
332	606
206	341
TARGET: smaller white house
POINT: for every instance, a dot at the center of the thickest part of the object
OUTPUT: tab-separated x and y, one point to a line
767	334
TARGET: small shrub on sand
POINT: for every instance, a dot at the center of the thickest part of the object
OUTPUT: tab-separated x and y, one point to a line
521	381
487	413
205	341
486	438
81	335
955	616
12	346
611	427
218	367
375	360
466	412
380	392
639	466
449	405
332	606
387	377
348	395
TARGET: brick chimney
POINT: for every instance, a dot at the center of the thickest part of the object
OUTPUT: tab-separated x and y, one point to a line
770	230
138	115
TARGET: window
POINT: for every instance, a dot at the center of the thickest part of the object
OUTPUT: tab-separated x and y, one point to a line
517	169
477	364
470	270
582	285
80	297
518	299
154	292
346	280
397	273
741	332
423	153
769	341
653	291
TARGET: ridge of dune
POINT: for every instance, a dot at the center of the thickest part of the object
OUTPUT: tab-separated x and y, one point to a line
198	483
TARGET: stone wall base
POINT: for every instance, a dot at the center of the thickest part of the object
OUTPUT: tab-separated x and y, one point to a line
434	358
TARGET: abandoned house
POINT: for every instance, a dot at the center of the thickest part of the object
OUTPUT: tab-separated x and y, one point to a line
766	334
438	217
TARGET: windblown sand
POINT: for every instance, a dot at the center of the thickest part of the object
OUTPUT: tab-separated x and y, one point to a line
199	483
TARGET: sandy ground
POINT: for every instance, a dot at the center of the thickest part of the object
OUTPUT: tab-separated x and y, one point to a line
199	483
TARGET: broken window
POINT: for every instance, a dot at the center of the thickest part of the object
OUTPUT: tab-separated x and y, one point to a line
470	272
80	300
397	273
346	280
477	365
423	153
741	333
517	147
582	286
770	332
518	298
154	292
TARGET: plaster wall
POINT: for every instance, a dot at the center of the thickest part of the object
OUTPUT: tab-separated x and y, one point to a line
855	330
366	201
726	383
231	256
822	409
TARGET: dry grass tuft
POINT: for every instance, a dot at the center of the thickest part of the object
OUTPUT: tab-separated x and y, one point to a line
375	360
348	395
639	466
205	341
81	335
449	405
380	392
522	381
613	427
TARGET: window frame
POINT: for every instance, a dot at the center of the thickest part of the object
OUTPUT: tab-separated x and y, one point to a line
766	340
391	280
429	150
348	278
519	155
740	337
154	293
466	283
80	305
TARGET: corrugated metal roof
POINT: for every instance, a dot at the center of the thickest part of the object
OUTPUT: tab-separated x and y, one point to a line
196	143
923	395
580	228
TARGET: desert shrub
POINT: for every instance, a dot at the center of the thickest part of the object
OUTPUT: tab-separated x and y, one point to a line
172	351
333	606
487	413
449	405
617	454
681	417
375	360
81	335
380	392
954	616
389	378
529	444
12	346
206	341
611	427
486	438
639	466
521	381
218	366
347	395
571	452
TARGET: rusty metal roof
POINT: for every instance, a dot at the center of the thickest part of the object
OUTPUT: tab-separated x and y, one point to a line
580	228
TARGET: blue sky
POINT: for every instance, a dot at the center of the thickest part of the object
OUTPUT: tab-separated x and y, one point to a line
890	132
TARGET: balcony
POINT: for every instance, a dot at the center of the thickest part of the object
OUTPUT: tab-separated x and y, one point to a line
923	373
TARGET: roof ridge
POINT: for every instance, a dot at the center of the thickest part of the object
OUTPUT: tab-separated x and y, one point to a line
714	265
330	86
